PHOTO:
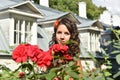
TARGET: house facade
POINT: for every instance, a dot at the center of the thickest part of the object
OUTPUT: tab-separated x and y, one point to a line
24	21
19	23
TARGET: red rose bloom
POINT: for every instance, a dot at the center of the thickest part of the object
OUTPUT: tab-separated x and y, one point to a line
33	51
59	48
64	49
19	54
67	57
55	47
21	74
44	59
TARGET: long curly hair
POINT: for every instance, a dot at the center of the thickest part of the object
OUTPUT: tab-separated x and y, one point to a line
72	27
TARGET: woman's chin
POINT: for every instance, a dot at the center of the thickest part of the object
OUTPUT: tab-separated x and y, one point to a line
63	43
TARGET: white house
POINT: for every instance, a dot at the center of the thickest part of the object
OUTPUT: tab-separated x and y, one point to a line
110	19
24	21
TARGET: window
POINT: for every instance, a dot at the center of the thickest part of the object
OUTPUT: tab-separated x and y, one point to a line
94	42
22	31
27	33
17	32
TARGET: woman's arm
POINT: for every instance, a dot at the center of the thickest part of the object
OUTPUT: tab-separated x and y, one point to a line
80	67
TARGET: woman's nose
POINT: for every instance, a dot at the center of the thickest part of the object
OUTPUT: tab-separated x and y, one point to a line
62	36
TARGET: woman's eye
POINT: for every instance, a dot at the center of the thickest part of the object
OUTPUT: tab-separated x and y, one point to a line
67	33
59	32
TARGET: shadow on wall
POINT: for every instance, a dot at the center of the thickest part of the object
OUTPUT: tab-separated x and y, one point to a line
42	39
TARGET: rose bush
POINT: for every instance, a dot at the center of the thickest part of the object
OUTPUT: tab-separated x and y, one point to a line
24	52
36	64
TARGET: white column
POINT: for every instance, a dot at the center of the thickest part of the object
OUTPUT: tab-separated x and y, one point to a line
89	41
23	31
34	34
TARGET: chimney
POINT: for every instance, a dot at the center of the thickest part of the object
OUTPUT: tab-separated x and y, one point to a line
82	9
44	2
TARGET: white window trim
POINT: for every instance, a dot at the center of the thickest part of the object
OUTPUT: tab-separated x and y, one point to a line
33	33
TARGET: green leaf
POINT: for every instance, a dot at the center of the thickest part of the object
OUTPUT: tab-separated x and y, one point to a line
109	67
116	46
92	56
115	52
107	74
108	78
97	71
50	76
118	59
52	73
3	67
116	75
4	51
71	42
100	77
66	77
73	75
71	63
27	65
117	31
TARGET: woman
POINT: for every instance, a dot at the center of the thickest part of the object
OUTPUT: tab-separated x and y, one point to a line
65	31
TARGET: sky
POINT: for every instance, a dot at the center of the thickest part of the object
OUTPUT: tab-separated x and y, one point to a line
113	6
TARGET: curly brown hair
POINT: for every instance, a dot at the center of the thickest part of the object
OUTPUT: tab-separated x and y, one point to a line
72	27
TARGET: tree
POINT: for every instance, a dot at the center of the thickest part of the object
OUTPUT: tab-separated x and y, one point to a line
93	12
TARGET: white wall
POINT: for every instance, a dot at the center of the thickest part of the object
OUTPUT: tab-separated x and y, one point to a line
89	66
82	9
4	24
110	19
9	63
44	2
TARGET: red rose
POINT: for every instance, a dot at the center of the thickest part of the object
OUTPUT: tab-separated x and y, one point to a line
21	74
67	57
47	58
64	49
59	48
19	54
44	59
55	48
33	51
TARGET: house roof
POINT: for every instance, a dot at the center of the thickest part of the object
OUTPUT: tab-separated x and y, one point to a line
87	23
52	18
93	25
48	13
5	4
16	7
51	14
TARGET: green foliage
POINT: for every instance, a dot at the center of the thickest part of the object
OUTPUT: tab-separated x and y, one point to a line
65	5
93	11
105	74
63	72
4	51
98	73
116	49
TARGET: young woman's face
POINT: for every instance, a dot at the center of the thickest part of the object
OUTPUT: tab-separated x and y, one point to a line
62	34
